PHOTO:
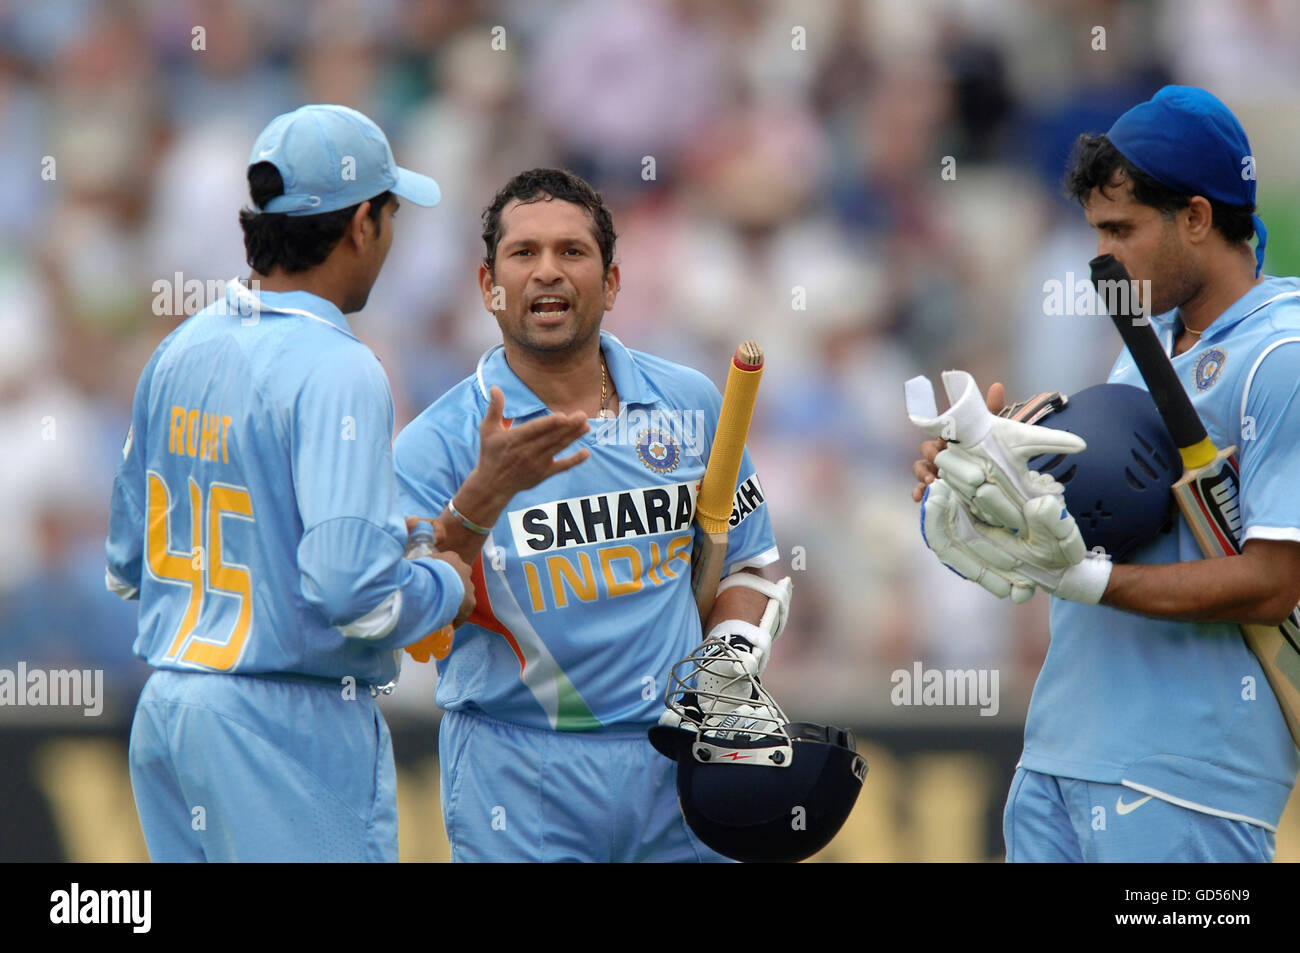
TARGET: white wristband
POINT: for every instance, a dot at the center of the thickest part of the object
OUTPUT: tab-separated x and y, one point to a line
1084	582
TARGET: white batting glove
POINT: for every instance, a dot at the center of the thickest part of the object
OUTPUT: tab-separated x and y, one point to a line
1049	553
962	545
752	644
986	461
1052	553
727	684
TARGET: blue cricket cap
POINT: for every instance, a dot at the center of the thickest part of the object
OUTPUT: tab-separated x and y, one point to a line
333	157
1189	141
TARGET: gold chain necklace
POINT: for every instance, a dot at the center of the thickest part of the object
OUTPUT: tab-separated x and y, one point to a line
604	394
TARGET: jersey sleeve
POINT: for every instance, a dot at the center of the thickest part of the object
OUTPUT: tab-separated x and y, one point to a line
1270	445
750	542
350	557
124	548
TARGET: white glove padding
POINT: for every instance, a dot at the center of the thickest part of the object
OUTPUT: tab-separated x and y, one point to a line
727	688
1052	553
986	462
753	721
952	534
1049	553
751	642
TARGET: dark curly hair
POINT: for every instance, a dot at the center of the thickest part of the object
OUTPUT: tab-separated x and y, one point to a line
531	186
292	242
1096	161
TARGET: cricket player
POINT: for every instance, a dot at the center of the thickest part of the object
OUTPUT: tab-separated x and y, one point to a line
255	516
1152	733
583	582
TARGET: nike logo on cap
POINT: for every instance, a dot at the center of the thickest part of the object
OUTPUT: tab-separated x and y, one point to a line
1121	808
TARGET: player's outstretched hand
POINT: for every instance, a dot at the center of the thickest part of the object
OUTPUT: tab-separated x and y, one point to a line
925	470
462	570
514	459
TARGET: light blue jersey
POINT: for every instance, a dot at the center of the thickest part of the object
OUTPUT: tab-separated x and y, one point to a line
583	588
1182	710
255	511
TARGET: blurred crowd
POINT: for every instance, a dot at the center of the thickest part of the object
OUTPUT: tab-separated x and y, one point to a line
870	189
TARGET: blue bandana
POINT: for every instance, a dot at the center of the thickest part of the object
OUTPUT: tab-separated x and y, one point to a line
1187	140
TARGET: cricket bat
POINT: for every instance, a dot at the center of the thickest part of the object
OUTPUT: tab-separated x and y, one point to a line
1207	494
718	488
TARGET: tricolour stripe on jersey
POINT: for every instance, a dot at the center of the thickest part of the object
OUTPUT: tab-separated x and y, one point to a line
497	610
483	617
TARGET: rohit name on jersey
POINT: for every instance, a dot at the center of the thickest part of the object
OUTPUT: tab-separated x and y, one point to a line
196	433
556	533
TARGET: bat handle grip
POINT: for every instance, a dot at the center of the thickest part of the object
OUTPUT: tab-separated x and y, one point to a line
1118	294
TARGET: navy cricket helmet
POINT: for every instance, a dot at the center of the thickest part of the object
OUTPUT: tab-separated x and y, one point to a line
752	785
1119	490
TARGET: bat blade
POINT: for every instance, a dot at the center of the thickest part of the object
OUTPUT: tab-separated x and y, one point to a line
718	488
1209	501
707	562
1208	495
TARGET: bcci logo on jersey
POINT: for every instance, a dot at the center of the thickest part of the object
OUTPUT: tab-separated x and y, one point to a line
657	450
660	436
1208	367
